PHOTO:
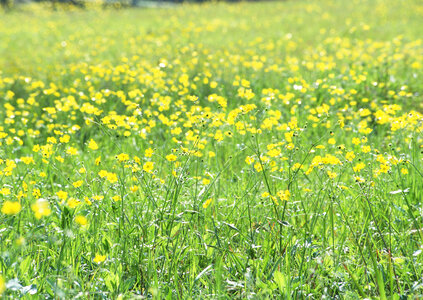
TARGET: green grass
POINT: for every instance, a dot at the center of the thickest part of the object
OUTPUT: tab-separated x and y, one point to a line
296	134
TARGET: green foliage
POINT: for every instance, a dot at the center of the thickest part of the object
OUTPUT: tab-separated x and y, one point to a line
250	150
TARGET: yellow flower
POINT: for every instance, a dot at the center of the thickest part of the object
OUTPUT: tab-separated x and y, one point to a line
92	145
62	195
134	188
366	149
81	220
332	175
356	141
99	258
98	160
78	183
5	191
284	195
207	203
117	198
122	157
41	208
72	202
148	152
258	167
350	156
359	179
249	160
404	171
148	167
36	193
72	151
87	200
112	177
384	168
27	160
171	157
65	139
358	167
103	173
11	208
2	285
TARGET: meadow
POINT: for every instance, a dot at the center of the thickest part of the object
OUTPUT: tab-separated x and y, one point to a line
268	150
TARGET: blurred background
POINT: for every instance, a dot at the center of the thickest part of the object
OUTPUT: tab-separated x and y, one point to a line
9	4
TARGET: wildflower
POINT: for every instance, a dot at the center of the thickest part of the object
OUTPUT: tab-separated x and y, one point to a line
98	197
258	167
350	156
148	167
99	258
27	160
171	157
404	171
41	208
2	285
64	139
358	167
296	166
356	141
148	152
134	188
81	220
122	157
332	175
72	151
92	145
72	202
384	168
11	208
78	183
5	191
103	173
207	203
112	177
117	198
359	179
36	193
284	195
62	195
249	160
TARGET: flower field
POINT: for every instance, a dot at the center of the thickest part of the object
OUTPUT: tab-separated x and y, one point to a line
268	150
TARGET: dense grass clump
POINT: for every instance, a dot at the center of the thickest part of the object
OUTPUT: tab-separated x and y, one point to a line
250	150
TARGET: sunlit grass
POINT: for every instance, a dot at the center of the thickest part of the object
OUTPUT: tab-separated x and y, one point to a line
249	150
